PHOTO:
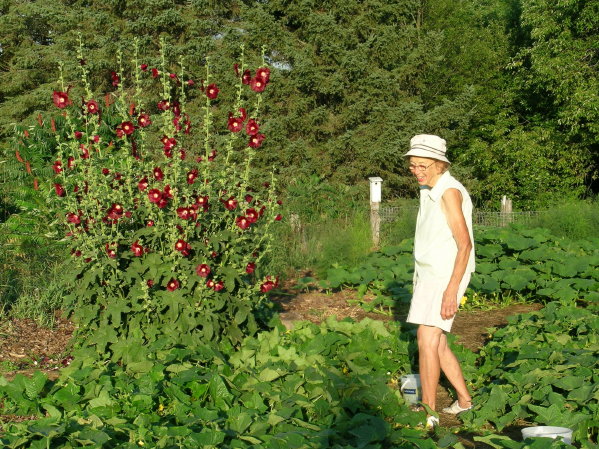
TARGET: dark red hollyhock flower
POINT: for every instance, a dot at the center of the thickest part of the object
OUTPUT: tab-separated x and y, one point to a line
243	114
242	222
266	185
173	76
249	198
158	175
202	201
191	176
154	195
128	128
177	124
137	249
167	192
230	204
256	141
142	184
176	109
218	286
119	132
182	155
150	283
155	73
235	124
115	212
110	251
212	155
279	217
257	84
57	167
115	79
172	285
212	91
73	218
190	82
251	215
264	73
105	171
183	213
210	283
247	77
261	211
61	99
203	270
236	68
128	214
150	223
183	247
78	135
92	107
60	191
143	67
250	267
162	203
144	120
187	129
168	143
252	128
267	286
163	105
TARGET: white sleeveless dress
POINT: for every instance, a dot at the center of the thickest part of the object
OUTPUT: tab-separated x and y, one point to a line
435	251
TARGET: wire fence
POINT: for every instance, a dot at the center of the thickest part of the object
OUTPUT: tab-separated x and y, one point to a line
480	218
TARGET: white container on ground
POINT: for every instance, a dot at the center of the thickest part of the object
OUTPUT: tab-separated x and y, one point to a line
548	432
410	388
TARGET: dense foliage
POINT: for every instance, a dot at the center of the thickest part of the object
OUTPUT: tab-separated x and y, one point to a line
511	85
532	264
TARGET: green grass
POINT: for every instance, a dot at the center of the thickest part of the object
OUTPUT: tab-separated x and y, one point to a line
572	219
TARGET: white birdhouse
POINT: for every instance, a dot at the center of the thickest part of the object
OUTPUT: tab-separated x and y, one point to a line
376	184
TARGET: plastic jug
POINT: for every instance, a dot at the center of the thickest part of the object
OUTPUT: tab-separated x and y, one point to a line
410	388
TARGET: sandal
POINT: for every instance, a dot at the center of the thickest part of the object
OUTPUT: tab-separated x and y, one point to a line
455	409
431	422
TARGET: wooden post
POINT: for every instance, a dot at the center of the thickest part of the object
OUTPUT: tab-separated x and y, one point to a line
375	202
506	211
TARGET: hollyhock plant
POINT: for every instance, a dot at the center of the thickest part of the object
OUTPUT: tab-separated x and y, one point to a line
165	241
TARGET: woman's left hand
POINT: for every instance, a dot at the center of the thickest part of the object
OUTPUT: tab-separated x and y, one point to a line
449	304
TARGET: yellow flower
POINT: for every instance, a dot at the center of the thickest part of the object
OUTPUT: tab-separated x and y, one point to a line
140	443
463	300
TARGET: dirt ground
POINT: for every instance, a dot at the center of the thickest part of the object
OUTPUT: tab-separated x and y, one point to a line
25	346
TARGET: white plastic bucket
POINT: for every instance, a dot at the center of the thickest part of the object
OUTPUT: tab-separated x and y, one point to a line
548	432
410	388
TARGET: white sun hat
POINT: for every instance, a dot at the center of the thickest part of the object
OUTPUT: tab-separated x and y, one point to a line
428	145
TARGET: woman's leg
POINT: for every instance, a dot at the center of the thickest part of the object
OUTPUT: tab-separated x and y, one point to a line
451	368
429	338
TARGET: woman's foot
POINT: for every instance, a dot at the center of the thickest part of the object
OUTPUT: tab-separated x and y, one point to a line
456	408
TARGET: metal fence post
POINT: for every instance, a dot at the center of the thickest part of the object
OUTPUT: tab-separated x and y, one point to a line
375	202
506	210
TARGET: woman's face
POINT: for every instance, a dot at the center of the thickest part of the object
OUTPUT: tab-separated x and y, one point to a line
426	171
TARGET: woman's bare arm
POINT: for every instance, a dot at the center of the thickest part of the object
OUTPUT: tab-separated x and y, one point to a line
452	207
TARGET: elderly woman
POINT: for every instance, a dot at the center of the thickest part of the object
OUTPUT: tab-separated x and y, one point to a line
444	261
